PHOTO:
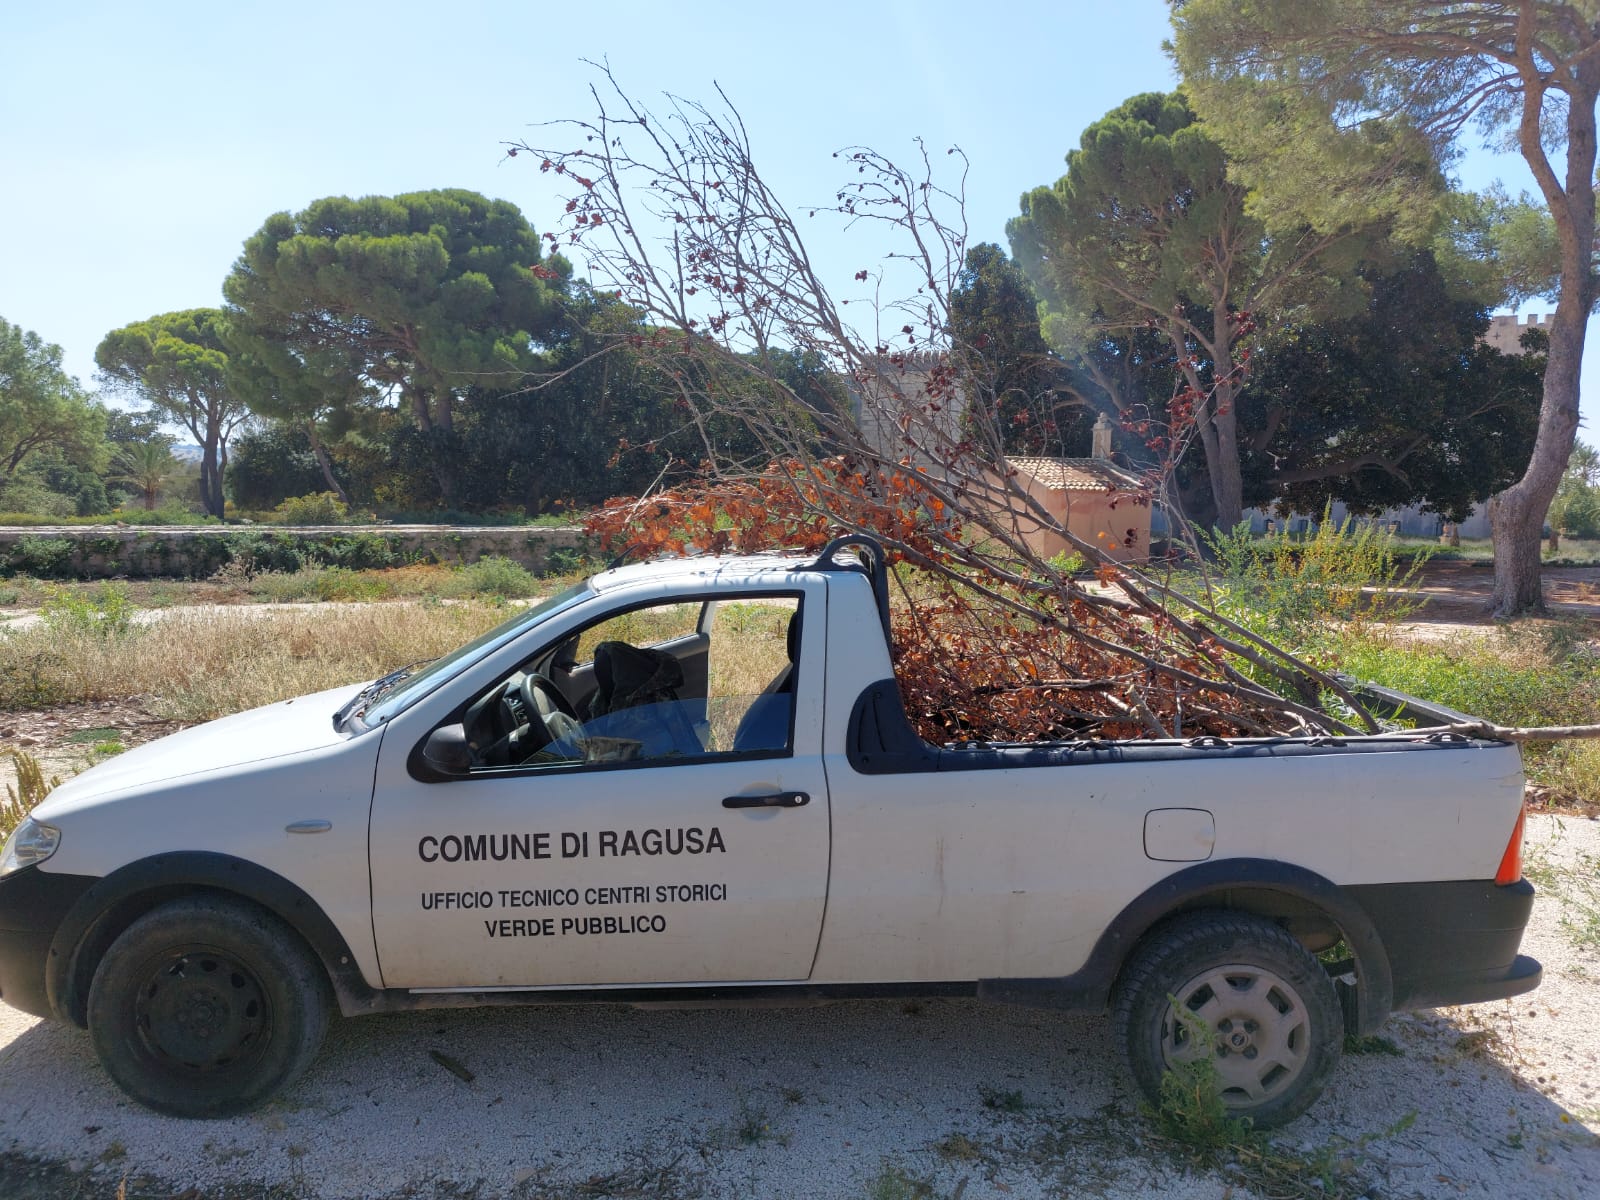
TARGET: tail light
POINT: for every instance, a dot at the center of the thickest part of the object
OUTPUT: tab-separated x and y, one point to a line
1511	862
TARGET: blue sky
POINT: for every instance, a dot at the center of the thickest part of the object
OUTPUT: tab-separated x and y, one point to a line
142	144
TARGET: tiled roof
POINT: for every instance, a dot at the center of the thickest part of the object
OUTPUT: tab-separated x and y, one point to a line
1075	474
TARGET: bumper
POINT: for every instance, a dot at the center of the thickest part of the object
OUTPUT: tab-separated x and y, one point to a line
1453	942
32	904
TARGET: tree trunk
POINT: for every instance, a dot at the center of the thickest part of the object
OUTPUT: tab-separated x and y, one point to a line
1517	514
322	461
1227	481
210	484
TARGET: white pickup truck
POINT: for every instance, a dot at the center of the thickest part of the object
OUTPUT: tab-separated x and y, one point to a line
694	781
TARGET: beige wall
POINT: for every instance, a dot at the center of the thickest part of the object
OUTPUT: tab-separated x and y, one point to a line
1086	514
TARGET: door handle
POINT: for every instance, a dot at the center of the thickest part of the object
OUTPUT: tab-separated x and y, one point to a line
770	800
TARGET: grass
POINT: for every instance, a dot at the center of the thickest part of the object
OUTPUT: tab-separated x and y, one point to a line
201	665
896	1183
998	1100
1528	673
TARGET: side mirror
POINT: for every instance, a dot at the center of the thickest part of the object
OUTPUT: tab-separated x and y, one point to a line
446	750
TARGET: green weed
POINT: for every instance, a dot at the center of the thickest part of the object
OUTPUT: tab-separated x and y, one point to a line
27	793
1001	1101
1291	589
896	1183
106	612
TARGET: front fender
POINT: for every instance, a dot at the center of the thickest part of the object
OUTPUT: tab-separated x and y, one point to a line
113	903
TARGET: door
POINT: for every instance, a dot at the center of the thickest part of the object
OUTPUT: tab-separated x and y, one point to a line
670	827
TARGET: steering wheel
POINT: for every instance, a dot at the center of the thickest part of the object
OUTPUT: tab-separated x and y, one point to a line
550	714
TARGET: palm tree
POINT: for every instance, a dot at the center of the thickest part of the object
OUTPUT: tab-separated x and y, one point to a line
149	466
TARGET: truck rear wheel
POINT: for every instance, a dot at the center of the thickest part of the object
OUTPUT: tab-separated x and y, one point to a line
206	1007
1255	1003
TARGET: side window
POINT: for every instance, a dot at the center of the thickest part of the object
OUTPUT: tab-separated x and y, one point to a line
676	681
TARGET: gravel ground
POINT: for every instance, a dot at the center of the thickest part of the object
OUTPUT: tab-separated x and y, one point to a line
881	1100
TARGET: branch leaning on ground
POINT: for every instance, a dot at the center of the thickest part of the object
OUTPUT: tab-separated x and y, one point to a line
671	212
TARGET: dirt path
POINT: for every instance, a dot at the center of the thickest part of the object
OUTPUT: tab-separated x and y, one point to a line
1457	593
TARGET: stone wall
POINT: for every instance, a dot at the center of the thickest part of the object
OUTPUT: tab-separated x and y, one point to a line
195	552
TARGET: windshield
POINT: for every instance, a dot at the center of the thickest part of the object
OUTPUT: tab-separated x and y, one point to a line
395	692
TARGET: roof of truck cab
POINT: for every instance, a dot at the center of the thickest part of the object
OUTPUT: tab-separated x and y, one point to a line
742	568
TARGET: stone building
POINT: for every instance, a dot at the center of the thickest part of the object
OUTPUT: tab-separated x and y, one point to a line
1092	498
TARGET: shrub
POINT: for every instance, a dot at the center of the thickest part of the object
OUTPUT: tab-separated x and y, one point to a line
105	613
45	558
1291	590
317	583
362	552
568	560
319	508
493	575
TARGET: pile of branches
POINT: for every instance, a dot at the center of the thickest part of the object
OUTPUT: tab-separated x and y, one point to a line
995	638
982	654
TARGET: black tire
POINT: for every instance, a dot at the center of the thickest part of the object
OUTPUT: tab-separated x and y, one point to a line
206	1007
1275	1021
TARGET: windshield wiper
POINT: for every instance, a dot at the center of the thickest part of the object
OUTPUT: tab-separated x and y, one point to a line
362	700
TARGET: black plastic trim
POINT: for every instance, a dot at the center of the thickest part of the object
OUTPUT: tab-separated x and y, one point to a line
33	903
1241	883
874	564
1454	941
398	1000
107	907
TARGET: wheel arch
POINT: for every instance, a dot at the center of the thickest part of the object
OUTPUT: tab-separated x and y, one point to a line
113	903
1309	905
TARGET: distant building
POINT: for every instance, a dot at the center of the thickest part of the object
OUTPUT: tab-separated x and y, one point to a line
1091	498
1505	333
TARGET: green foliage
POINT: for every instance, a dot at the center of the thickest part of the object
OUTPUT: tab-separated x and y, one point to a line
1147	233
148	466
177	364
1371	1043
1505	250
1294	589
320	508
105	613
493	575
1024	403
1001	1099
270	464
318	583
1576	507
568	560
896	1183
27	793
1397	403
43	558
42	408
419	296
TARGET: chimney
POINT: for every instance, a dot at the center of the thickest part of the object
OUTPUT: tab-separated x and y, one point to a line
1102	438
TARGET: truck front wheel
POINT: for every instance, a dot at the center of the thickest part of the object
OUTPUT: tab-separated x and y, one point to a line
207	1006
1242	994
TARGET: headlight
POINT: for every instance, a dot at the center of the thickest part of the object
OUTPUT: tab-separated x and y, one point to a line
29	843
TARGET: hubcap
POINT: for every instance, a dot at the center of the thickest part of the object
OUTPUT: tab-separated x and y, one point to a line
202	1009
1249	1021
